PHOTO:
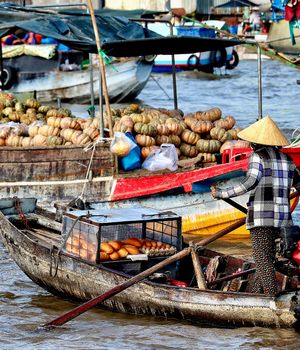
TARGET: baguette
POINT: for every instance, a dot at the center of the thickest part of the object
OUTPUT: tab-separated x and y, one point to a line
115	244
133	241
123	252
131	249
114	256
104	256
107	248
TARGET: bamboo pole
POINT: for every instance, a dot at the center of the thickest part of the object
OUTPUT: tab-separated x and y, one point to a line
198	269
102	68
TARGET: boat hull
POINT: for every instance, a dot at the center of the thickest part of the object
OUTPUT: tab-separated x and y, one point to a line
78	280
278	31
125	80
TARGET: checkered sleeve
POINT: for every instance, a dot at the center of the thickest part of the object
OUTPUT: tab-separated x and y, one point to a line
250	181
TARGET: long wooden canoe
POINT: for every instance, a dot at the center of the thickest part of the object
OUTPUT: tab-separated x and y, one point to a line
32	247
60	173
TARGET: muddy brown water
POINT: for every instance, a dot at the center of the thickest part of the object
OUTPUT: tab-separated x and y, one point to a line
24	305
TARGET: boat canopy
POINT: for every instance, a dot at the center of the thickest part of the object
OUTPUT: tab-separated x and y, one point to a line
120	37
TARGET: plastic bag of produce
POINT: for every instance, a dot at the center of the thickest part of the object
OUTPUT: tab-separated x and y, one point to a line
133	159
165	157
121	145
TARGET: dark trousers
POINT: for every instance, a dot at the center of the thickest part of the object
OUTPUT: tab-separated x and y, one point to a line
264	250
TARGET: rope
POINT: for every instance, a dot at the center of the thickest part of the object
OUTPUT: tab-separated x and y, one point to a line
88	177
296	142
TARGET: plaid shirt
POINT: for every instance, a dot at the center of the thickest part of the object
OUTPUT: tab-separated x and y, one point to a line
269	179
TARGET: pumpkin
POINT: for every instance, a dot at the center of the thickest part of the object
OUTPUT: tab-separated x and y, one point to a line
174	128
120	127
208	146
189	119
31	111
54	121
160	139
44	109
68	133
145	151
2	141
127	121
19	107
27	119
148	129
207	157
144	140
27	141
120	148
14	141
48	130
68	122
234	144
39	140
140	118
174	113
226	123
91	132
211	114
188	150
14	116
201	126
7	98
220	134
33	130
175	140
6	111
162	129
189	137
79	138
32	103
54	140
53	112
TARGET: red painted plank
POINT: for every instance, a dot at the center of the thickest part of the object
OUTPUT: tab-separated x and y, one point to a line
141	186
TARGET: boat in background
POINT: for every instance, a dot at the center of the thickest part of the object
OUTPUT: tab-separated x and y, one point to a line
67	76
205	61
279	37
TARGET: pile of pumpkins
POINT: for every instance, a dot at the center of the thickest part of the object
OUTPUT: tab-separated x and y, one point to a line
196	134
199	134
32	124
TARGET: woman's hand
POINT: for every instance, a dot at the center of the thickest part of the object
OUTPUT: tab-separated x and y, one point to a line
213	191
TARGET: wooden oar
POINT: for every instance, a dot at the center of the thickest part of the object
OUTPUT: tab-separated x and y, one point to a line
141	276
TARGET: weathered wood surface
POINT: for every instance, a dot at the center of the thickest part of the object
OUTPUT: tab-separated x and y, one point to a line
83	281
53	163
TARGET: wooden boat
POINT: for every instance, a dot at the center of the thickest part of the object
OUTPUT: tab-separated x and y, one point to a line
50	82
205	61
59	173
33	240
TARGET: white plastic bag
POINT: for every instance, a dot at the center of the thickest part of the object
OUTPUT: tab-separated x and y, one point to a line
121	145
165	157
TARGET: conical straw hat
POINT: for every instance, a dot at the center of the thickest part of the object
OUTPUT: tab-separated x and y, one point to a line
264	132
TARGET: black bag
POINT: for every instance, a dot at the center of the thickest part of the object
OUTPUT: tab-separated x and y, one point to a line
289	236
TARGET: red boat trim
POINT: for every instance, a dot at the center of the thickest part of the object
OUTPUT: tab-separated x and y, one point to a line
142	186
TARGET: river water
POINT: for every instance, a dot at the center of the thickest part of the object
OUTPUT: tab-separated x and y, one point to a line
24	306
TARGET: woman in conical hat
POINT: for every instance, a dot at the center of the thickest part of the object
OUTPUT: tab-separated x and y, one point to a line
269	179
